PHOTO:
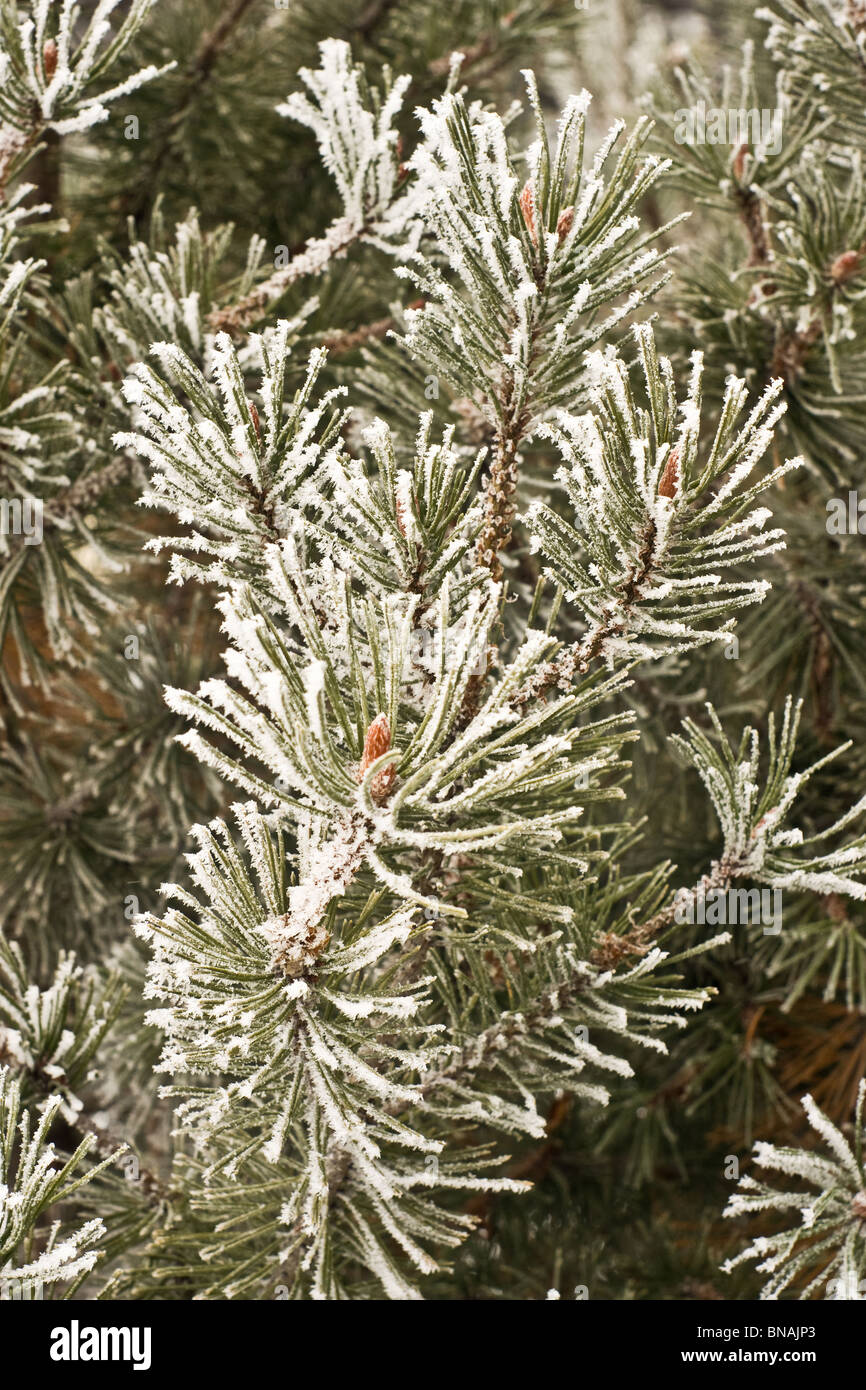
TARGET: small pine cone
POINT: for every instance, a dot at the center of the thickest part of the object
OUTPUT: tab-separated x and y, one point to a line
565	222
527	207
845	266
49	58
669	484
376	742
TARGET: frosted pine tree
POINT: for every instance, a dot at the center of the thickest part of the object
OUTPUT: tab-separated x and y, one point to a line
421	638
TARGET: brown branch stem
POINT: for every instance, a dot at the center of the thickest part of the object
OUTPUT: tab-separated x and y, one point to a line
577	658
314	259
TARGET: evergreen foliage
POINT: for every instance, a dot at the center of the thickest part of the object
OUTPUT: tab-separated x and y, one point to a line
431	606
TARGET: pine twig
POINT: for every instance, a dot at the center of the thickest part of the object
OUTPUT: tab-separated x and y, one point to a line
499	498
314	259
577	658
751	209
343	341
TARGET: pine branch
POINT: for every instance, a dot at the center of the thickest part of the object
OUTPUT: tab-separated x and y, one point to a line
537	261
50	62
500	485
211	47
577	659
613	948
31	1184
354	125
753	215
827	1251
316	258
657	554
422	932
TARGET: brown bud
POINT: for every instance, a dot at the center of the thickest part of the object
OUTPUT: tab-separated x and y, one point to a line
497	973
845	266
835	907
739	162
402	168
669	483
527	207
855	13
565	222
254	416
377	741
49	58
